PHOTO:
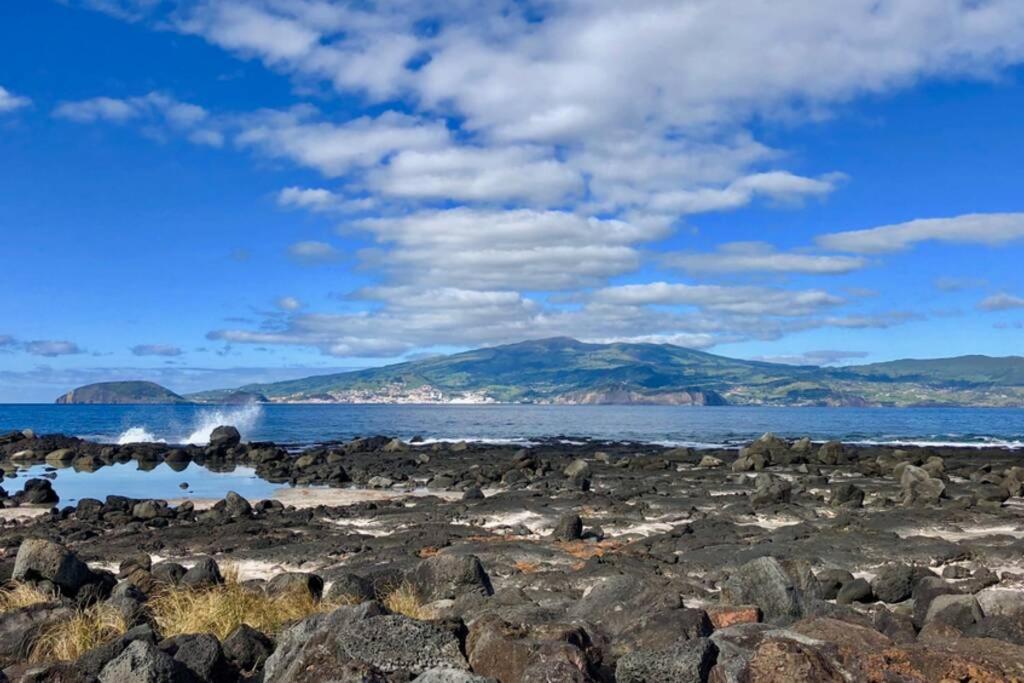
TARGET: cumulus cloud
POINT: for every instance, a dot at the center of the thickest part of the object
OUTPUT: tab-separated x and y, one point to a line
156	350
499	161
750	257
10	102
740	300
990	229
1001	302
51	348
312	253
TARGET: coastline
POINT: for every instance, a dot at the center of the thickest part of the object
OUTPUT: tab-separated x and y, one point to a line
624	540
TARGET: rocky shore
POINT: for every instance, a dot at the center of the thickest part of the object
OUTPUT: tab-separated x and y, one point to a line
563	561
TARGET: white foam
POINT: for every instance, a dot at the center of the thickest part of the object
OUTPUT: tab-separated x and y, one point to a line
243	418
137	435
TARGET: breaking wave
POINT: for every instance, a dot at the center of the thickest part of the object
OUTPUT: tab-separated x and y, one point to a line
244	418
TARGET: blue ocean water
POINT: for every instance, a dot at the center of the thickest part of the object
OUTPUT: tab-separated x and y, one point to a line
307	424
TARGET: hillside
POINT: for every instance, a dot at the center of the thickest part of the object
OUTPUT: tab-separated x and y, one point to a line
121	392
564	370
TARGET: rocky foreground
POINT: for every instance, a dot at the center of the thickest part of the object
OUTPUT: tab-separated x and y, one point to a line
783	561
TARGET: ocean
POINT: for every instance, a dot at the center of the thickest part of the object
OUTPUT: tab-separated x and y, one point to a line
301	425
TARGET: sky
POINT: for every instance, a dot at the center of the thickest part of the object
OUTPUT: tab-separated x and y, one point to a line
207	193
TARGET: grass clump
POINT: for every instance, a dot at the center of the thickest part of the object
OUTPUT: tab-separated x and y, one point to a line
221	609
403	600
19	595
68	640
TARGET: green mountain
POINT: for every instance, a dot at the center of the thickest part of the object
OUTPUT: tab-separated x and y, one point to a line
121	392
564	370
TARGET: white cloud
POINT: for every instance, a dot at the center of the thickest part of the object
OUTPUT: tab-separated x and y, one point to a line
488	249
990	229
1001	302
527	174
750	257
156	350
289	303
153	109
737	300
311	253
10	102
335	149
821	357
51	348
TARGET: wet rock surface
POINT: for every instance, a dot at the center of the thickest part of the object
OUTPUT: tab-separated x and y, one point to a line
560	561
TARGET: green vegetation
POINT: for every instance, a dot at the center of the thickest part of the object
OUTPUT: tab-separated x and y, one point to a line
121	392
564	370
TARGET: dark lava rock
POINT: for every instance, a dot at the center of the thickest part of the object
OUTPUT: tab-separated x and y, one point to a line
831	580
769	490
847	495
42	560
473	493
959	611
199	653
858	590
246	648
448	576
142	662
236	506
224	437
569	527
205	572
686	661
895	582
350	587
292	582
764	582
920	488
38	492
168	572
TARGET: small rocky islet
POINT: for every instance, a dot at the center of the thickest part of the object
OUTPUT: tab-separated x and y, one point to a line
568	560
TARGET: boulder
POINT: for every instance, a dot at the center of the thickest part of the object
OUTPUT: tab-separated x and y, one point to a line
38	492
142	662
361	640
443	675
199	653
959	611
225	437
685	661
764	582
569	527
577	469
247	649
895	582
42	560
858	590
846	495
447	576
769	490
831	580
920	488
296	582
203	573
237	506
831	453
350	588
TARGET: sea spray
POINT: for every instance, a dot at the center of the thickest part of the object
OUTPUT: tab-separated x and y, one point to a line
243	418
137	435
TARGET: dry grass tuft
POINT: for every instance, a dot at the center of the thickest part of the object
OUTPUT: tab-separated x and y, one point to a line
68	640
221	609
19	595
403	600
428	551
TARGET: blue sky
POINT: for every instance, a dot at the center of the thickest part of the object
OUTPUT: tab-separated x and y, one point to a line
211	192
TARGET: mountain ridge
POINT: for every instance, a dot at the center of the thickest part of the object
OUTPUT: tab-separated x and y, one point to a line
565	370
